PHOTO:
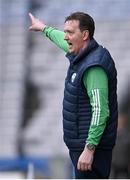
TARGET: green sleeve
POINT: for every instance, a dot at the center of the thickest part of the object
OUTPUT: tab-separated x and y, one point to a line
96	83
57	37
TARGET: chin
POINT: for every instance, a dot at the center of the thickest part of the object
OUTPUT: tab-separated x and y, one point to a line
71	50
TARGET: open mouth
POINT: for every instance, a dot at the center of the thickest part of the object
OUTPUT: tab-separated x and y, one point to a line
70	44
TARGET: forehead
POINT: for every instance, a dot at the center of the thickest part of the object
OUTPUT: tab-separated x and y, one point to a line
70	24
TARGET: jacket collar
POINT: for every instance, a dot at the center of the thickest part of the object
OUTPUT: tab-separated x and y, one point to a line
75	58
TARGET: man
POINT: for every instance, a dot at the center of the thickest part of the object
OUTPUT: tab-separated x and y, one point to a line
90	98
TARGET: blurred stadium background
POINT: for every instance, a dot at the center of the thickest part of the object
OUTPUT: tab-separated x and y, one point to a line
32	72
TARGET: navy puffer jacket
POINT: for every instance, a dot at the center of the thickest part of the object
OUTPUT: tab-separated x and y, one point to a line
77	111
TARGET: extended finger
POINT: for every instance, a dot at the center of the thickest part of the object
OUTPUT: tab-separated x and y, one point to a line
32	17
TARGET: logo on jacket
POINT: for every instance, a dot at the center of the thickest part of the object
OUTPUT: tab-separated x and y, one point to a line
73	77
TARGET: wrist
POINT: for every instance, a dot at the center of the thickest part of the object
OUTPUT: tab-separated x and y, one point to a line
43	27
90	147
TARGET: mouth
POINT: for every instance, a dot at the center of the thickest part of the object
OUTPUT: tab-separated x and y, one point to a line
70	44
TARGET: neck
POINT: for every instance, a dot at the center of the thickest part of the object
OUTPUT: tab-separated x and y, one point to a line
85	45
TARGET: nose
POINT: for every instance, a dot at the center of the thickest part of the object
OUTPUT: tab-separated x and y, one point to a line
66	37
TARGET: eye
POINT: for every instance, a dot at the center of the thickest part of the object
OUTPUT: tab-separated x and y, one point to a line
71	32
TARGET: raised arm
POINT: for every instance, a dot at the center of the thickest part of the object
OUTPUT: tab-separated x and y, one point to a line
55	35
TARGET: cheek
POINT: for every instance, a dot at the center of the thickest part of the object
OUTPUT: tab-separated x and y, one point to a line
78	42
78	39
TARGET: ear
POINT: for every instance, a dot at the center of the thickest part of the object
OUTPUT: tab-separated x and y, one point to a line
85	35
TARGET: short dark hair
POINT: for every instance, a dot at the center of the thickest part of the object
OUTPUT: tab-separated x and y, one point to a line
86	22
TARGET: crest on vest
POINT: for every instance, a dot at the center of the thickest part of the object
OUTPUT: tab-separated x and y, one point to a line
73	77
